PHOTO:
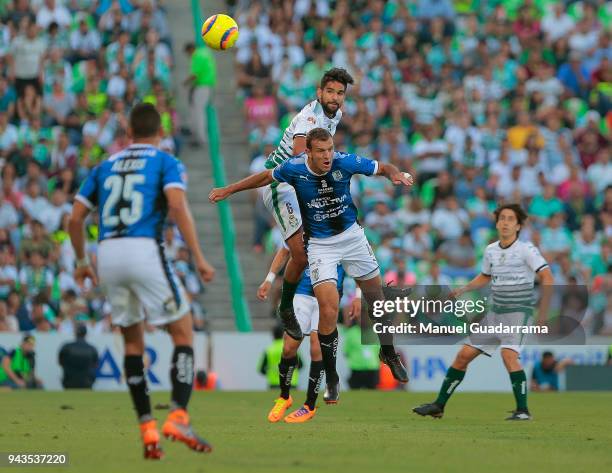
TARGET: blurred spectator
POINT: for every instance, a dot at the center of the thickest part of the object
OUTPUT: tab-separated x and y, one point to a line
458	255
545	373
70	75
201	81
362	359
260	108
17	367
79	360
53	12
271	357
449	220
26	55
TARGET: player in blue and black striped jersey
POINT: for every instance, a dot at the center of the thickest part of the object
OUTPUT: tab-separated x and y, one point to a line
134	191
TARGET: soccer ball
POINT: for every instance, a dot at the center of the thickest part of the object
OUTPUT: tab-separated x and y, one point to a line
220	31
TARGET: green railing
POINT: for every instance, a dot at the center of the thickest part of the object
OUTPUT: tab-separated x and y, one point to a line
239	304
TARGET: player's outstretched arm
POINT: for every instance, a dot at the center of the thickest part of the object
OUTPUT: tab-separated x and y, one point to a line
179	212
280	259
76	229
479	281
253	181
396	176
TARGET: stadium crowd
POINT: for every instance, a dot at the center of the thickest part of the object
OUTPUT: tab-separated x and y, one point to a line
484	101
70	72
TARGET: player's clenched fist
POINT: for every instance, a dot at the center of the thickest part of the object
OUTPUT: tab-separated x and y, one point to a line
85	272
218	194
205	270
263	290
404	178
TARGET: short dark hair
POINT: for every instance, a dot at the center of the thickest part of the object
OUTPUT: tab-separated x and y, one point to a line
277	332
145	121
547	354
317	134
337	74
520	214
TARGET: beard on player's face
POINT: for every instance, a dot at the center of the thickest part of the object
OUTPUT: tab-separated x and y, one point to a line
331	97
330	108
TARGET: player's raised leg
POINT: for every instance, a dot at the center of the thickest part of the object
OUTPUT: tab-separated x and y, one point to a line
454	376
308	410
518	379
287	366
178	425
293	273
372	291
133	365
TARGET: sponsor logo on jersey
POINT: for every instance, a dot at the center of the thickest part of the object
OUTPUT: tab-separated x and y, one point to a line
311	120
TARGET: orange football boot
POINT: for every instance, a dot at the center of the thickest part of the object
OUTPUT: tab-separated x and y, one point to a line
280	407
150	439
178	427
303	414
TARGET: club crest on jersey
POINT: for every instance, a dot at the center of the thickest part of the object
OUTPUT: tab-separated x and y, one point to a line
315	274
337	175
311	120
502	258
325	187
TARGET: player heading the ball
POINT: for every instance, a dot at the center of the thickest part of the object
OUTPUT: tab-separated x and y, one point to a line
321	178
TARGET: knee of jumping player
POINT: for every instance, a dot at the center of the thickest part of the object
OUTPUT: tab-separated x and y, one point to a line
328	316
290	347
298	255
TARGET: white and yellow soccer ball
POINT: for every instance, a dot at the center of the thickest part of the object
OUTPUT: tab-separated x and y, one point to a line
220	32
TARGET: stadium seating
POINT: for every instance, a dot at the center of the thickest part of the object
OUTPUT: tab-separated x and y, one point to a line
71	71
486	102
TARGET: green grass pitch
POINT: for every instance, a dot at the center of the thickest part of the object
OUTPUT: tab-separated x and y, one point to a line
366	432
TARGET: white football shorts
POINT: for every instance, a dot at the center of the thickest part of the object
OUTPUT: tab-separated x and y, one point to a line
350	248
139	282
281	201
306	310
488	343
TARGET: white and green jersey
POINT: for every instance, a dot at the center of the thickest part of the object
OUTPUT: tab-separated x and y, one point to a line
512	270
311	116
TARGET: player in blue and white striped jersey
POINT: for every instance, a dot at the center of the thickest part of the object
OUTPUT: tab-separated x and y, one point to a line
134	191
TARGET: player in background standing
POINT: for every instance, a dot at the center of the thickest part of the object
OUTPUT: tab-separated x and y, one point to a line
307	312
134	190
280	199
510	266
321	179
